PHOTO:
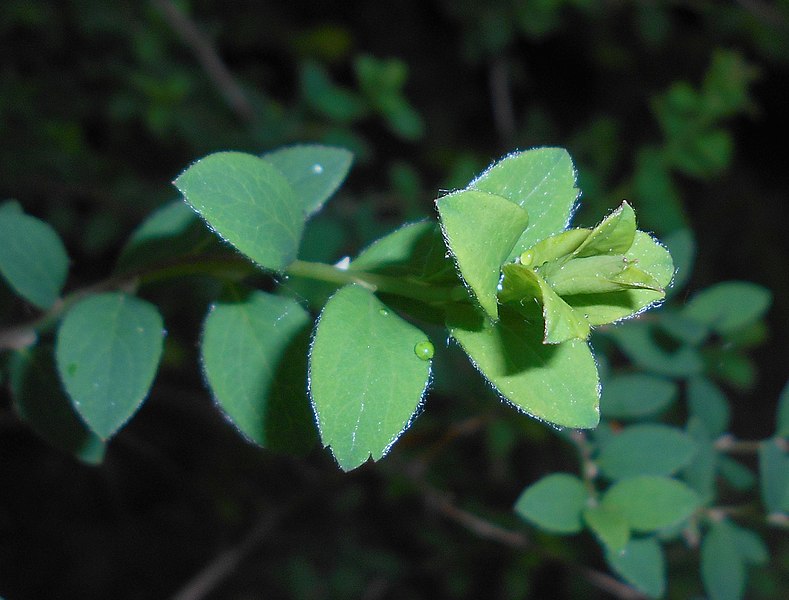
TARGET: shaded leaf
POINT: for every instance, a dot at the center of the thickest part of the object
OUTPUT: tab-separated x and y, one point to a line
729	305
736	474
33	260
366	379
556	383
107	351
249	203
636	396
40	402
700	473
722	566
314	171
642	565
707	402
782	418
649	449
636	340
254	352
649	502
774	475
611	528
554	503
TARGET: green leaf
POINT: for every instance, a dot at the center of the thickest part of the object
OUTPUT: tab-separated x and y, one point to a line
774	475
555	503
40	402
642	565
650	502
249	203
682	246
650	257
613	235
749	545
254	352
554	247
313	171
33	260
561	321
367	373
557	383
649	449
636	396
707	402
542	181
728	306
637	342
700	473
481	230
171	231
722	566
414	250
328	99
782	417
610	527
107	351
736	474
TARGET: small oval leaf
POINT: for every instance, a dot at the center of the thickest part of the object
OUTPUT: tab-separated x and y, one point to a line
254	351
650	503
32	258
107	351
649	449
313	171
642	565
555	503
249	203
366	381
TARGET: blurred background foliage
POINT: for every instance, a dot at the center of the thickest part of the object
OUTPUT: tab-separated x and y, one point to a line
678	106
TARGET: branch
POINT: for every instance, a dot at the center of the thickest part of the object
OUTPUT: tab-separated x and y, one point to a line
208	58
211	575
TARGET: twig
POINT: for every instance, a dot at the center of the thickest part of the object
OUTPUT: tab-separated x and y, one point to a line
501	99
212	574
208	57
442	503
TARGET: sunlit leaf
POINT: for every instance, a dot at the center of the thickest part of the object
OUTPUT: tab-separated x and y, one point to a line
542	181
367	376
249	203
481	230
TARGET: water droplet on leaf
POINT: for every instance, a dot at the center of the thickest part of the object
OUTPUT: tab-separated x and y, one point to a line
383	312
424	350
317	169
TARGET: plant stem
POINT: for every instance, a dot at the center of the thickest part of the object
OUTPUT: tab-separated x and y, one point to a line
400	286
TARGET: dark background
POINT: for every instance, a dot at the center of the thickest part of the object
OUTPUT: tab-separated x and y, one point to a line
103	103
